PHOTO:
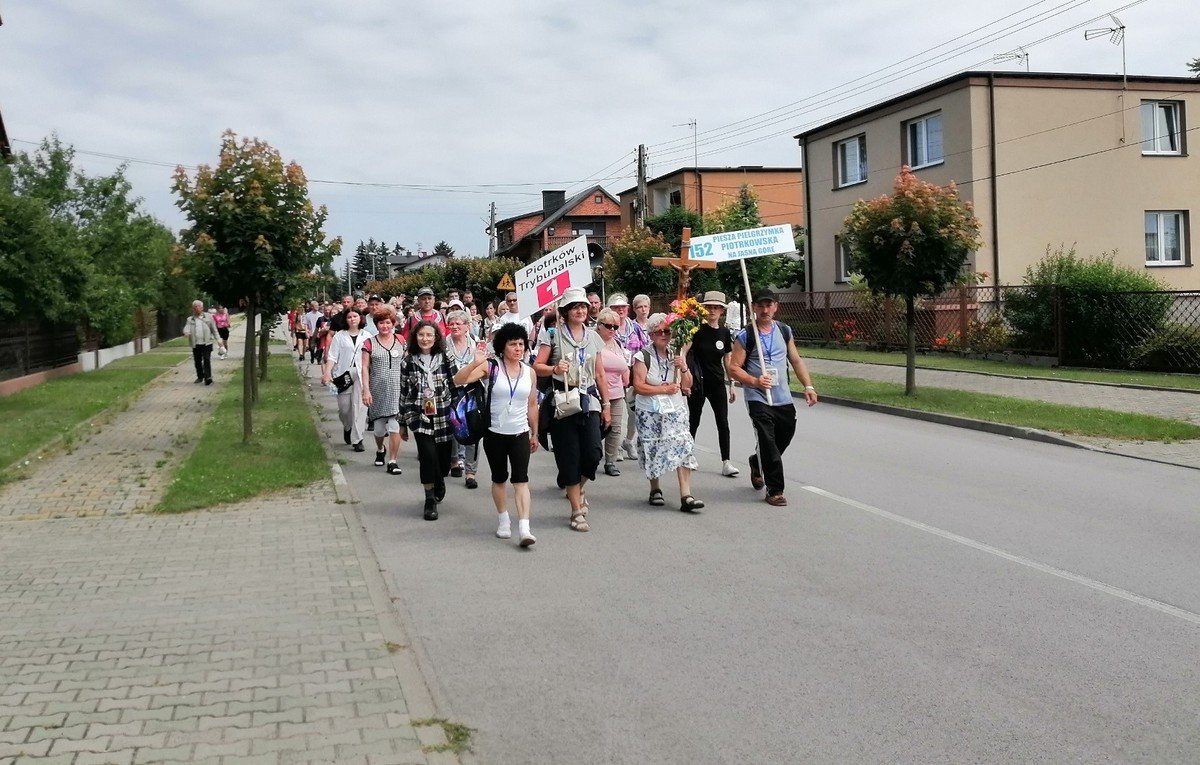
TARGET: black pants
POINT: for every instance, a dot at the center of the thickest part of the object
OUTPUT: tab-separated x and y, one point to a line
774	426
577	447
718	399
503	450
434	459
202	356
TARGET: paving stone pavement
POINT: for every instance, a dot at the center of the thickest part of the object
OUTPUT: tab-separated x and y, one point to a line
1179	406
243	634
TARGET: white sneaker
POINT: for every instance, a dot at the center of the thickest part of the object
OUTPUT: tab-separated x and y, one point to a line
504	531
527	539
727	469
630	452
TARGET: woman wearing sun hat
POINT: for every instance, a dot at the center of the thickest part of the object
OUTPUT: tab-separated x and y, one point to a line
571	356
708	360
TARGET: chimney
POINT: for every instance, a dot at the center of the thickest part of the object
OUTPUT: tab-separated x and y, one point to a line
552	201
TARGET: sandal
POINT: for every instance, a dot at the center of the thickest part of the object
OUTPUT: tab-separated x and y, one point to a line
656	498
579	520
689	504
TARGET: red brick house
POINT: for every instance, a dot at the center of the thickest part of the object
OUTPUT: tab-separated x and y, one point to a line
593	213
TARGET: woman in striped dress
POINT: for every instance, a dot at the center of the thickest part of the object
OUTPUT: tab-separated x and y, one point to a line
382	363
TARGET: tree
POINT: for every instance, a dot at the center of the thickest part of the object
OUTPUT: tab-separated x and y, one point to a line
254	235
776	270
444	249
627	265
911	243
1194	66
672	223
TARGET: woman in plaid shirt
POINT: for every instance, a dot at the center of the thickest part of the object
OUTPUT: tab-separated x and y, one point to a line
425	391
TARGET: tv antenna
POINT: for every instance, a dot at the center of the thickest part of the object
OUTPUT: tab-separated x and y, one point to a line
1020	54
1116	36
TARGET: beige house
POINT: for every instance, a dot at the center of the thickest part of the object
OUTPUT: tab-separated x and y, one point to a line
1096	161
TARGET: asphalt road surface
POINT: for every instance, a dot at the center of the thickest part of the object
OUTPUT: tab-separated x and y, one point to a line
931	594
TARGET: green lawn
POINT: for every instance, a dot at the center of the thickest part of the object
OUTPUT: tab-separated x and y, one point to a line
37	417
956	363
178	342
286	450
1059	418
155	358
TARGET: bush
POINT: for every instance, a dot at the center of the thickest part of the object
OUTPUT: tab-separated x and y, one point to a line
1173	348
1108	309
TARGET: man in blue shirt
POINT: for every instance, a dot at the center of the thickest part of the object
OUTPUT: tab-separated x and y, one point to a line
768	396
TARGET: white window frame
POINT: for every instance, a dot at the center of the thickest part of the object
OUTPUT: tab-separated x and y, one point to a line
842	270
839	153
1159	259
1152	144
916	134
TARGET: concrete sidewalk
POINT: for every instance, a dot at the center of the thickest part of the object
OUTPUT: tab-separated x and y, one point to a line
256	632
1161	403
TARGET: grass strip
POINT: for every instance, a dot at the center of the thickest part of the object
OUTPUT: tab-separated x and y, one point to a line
34	418
178	342
284	452
1059	418
154	358
959	364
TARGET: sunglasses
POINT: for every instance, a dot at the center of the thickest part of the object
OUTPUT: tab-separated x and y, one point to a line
613	327
511	301
661	332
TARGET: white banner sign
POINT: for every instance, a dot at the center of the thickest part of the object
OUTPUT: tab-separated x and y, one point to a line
738	245
542	282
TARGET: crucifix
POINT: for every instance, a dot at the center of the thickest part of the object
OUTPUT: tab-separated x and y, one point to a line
683	264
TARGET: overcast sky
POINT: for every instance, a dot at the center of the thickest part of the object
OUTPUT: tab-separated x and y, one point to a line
459	95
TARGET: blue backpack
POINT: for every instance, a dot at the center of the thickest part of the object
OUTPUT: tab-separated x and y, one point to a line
471	409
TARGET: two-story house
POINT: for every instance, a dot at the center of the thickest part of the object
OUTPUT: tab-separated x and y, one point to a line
593	213
780	192
1098	162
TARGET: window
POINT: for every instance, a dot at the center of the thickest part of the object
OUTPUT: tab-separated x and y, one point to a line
844	265
1162	127
588	228
676	198
851	157
599	199
1166	243
925	141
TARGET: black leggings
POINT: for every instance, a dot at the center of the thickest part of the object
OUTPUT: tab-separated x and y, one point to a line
718	398
501	450
433	457
577	447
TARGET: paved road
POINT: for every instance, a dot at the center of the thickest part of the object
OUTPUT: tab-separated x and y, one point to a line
931	595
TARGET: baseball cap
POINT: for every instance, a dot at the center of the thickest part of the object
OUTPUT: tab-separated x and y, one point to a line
617	299
374	297
455	302
424	291
765	295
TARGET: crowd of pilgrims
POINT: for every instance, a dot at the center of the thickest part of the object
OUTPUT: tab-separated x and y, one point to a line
395	369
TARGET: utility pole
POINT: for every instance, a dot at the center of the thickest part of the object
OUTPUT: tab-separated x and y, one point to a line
640	216
491	231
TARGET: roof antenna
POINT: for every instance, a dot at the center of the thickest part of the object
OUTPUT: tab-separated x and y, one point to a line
1020	54
1116	36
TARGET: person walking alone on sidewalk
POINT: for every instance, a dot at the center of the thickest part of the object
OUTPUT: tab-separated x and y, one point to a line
708	360
512	434
341	367
425	392
381	367
663	440
201	332
768	397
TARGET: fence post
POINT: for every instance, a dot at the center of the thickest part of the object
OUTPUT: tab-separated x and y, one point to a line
962	314
1060	324
828	320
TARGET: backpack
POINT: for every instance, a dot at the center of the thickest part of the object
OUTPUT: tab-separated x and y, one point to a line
471	409
751	339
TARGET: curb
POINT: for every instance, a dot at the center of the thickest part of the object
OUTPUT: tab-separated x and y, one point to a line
418	698
984	426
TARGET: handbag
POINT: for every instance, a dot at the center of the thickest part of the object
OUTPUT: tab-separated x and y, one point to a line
566	401
343	382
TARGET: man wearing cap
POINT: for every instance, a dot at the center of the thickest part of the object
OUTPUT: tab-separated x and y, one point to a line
708	358
368	326
425	312
768	397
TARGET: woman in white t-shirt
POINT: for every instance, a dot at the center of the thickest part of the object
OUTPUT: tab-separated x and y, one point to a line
342	357
512	435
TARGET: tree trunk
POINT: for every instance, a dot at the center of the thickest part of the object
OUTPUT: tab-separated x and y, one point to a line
264	336
248	377
910	322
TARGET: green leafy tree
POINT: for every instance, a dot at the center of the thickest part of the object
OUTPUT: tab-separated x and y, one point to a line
775	270
40	255
480	275
444	249
1194	66
254	235
911	243
627	265
672	223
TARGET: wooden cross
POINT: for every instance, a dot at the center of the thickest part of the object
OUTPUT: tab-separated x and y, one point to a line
683	264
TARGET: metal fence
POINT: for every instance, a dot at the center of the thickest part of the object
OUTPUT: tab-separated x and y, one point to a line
28	347
1157	331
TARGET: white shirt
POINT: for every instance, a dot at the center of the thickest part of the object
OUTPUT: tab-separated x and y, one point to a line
508	317
344	351
510	400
